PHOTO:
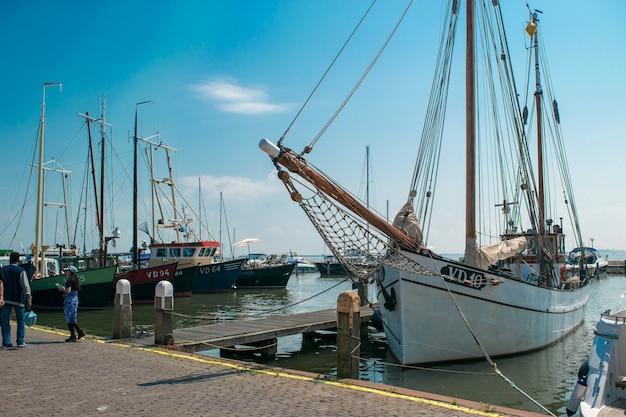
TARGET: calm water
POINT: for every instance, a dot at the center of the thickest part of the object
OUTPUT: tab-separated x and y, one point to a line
548	376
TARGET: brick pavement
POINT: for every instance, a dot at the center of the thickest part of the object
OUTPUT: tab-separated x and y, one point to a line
96	377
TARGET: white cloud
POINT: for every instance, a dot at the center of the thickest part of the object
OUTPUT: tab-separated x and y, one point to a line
233	188
233	98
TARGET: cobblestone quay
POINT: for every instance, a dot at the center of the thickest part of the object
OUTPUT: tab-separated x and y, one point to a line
96	377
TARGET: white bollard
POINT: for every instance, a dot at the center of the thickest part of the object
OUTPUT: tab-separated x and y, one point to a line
122	310
163	307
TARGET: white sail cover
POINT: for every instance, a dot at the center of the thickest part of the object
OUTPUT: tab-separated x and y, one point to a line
406	220
490	254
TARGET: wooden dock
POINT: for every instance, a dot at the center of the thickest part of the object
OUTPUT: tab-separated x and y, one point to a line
616	268
260	332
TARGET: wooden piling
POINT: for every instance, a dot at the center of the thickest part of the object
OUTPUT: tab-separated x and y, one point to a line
122	310
363	291
348	334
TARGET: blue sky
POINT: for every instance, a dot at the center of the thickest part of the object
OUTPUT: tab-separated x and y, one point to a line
221	75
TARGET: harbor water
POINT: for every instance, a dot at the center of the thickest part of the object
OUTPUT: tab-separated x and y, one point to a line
548	375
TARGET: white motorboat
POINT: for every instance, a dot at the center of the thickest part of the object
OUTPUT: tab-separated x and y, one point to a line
601	386
586	260
302	265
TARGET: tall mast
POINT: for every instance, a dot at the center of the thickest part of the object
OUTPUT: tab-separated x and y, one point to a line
221	214
150	156
367	185
171	183
538	96
103	242
470	139
98	196
200	205
39	216
89	119
135	187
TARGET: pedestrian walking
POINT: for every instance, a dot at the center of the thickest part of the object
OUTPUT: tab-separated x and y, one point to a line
70	303
17	298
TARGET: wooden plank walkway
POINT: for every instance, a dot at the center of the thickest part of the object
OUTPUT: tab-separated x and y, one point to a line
251	332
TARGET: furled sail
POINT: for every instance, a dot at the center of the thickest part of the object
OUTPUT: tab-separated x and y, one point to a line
490	254
406	220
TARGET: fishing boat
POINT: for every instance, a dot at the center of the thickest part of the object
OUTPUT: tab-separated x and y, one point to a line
95	289
586	260
197	258
600	389
200	267
142	277
329	266
143	281
506	295
43	267
264	272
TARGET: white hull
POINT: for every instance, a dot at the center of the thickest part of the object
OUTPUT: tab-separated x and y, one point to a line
596	270
507	317
606	380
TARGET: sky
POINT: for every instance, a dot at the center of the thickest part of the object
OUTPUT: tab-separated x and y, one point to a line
221	75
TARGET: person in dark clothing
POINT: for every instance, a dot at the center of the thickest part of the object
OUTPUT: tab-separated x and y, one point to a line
17	297
1	289
70	303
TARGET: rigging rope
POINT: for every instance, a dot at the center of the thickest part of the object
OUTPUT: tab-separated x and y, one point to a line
332	64
360	81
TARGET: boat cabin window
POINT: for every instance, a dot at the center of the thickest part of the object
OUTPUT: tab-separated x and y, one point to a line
189	252
52	268
175	252
207	251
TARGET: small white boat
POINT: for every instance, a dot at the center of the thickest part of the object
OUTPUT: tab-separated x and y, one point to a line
302	265
593	264
601	386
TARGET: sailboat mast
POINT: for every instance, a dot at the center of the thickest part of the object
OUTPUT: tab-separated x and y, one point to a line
200	205
470	139
95	188
367	176
538	96
367	185
103	248
221	214
135	188
171	182
39	215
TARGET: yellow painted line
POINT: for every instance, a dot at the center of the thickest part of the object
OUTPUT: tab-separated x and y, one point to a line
215	361
200	359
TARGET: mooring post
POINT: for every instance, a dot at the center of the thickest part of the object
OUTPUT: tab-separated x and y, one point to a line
348	334
363	291
163	308
122	310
